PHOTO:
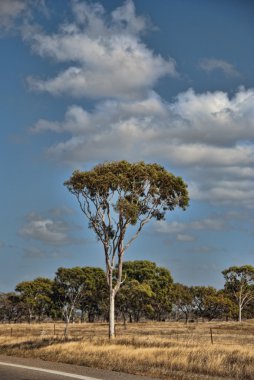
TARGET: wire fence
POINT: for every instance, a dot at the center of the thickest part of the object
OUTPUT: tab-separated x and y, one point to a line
241	334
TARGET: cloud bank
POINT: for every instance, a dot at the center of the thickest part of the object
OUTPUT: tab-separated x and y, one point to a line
208	137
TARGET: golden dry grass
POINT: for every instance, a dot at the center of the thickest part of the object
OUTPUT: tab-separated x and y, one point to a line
163	350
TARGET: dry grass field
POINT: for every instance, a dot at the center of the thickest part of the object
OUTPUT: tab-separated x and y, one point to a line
163	350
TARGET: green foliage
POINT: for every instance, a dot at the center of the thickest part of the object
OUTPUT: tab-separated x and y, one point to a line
149	283
94	292
239	285
200	294
79	288
134	300
135	192
12	308
144	270
182	298
219	306
36	296
140	189
68	287
237	277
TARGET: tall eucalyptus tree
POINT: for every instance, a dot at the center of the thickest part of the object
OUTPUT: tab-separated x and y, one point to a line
120	196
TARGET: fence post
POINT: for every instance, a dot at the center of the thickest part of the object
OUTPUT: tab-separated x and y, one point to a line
11	331
211	334
54	329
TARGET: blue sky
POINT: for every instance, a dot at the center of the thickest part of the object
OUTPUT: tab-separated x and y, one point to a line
83	82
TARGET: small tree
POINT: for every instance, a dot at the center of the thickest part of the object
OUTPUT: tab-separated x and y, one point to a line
182	298
36	296
68	287
240	284
10	307
219	306
117	195
200	295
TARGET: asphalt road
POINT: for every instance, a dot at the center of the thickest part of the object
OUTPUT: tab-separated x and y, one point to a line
12	368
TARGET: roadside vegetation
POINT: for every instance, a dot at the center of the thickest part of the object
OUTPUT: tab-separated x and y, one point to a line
163	329
165	350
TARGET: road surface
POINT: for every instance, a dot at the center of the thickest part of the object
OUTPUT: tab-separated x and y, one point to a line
12	368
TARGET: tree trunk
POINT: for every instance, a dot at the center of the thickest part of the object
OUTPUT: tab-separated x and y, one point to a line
239	312
113	289
111	314
82	318
66	327
91	317
124	320
30	316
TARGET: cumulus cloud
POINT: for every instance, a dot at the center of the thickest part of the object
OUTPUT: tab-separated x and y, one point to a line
47	230
106	59
198	128
209	136
211	64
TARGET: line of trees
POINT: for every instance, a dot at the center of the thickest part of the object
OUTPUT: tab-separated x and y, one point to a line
148	292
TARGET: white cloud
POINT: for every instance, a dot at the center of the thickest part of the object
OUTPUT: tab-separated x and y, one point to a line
44	230
61	211
47	230
213	118
208	224
204	249
208	136
11	10
169	227
37	253
207	129
34	252
185	238
234	192
105	59
183	229
211	64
